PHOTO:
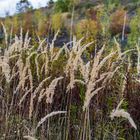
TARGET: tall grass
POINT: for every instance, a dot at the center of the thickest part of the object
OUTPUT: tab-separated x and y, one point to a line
40	82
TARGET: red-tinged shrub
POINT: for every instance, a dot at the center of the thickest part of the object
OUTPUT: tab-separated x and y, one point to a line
117	21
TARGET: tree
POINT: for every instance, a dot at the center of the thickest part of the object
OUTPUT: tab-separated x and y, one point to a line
7	13
62	5
50	3
23	6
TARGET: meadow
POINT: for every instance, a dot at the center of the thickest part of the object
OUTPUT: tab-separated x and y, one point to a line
85	88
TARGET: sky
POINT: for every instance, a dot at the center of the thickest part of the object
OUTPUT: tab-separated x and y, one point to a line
10	5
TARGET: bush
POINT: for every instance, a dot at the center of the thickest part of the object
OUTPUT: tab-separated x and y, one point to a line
87	28
117	21
62	6
135	29
57	22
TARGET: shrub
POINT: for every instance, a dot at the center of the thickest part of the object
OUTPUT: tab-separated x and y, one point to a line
87	28
117	21
135	29
62	5
57	22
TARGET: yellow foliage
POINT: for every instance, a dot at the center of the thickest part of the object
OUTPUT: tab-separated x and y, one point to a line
8	24
41	23
16	27
57	22
87	28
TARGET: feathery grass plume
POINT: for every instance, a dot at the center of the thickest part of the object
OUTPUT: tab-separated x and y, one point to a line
20	65
79	52
31	87
37	66
41	45
5	33
26	40
4	64
13	56
74	62
41	95
17	46
85	70
52	46
24	96
22	73
21	84
58	54
48	116
46	64
71	84
119	49
67	51
109	76
122	113
31	107
124	83
29	138
42	68
71	64
40	86
49	93
138	59
28	63
23	76
14	74
21	34
129	64
94	76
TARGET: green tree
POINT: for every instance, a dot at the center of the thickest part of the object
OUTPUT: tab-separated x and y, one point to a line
62	5
23	6
50	3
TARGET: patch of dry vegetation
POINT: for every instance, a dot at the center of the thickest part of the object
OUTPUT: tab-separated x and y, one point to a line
36	83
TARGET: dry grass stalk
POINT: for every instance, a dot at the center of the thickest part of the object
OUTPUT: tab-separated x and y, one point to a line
50	91
29	138
52	46
40	47
4	64
41	95
21	83
40	86
94	76
5	33
24	96
31	83
37	66
48	116
46	64
74	62
31	107
138	59
28	63
122	113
